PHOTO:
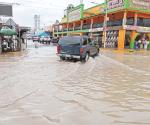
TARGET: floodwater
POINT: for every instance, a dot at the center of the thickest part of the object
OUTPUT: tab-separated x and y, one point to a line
38	89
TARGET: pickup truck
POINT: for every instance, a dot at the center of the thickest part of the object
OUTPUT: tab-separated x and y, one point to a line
77	47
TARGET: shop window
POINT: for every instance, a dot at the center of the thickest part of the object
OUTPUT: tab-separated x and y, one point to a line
77	27
140	22
146	22
143	22
97	25
130	21
86	26
109	23
117	23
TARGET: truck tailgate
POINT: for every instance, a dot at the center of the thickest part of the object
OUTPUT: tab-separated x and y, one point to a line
70	49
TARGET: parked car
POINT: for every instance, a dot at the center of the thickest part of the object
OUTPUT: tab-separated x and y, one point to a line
45	39
41	39
77	47
35	38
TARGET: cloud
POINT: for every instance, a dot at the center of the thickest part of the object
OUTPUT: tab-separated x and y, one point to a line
49	10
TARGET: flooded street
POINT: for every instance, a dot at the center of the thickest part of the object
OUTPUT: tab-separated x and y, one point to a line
38	89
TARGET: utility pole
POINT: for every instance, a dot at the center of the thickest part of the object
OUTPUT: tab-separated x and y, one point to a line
105	24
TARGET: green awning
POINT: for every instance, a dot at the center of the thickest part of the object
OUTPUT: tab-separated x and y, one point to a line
8	32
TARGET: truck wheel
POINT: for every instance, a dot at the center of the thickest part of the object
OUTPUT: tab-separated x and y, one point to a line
62	58
97	52
86	58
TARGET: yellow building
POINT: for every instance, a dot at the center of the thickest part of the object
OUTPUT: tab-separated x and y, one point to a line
115	24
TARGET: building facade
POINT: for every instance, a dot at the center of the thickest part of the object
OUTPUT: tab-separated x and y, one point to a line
114	24
36	23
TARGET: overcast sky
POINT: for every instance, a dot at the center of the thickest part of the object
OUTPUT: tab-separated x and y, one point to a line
49	10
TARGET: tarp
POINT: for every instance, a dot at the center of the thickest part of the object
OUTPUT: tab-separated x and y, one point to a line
44	34
8	32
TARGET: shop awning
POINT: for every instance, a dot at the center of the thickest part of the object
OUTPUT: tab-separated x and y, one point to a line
8	32
44	34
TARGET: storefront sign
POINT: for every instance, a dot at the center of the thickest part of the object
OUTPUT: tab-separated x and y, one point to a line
137	28
115	4
139	4
143	29
75	14
96	30
99	9
129	27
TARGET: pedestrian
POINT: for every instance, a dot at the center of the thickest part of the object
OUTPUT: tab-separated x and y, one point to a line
136	45
36	45
146	44
140	44
148	47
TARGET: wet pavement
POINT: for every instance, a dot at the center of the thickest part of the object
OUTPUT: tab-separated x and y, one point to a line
37	88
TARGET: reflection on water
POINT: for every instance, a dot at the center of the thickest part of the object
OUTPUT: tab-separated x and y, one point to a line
38	89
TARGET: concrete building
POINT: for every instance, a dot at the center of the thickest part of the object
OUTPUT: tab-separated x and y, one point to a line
36	23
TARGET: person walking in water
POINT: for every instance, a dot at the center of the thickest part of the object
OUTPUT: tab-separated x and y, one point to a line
36	45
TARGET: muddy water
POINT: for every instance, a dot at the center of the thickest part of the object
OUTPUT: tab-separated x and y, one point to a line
38	89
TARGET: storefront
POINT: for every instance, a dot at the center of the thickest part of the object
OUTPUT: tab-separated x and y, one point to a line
114	24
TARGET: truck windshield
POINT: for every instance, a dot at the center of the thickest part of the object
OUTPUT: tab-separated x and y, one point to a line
70	41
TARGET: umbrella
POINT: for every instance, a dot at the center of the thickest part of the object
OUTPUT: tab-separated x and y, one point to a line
8	32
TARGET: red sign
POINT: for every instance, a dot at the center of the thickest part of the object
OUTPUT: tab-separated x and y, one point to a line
112	4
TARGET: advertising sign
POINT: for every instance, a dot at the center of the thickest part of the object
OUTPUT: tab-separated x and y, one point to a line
143	29
115	4
75	14
5	10
94	10
139	4
137	28
130	27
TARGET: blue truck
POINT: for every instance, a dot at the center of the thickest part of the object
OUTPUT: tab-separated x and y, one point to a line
77	47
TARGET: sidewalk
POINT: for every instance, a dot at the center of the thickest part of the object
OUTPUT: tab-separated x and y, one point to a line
139	52
136	59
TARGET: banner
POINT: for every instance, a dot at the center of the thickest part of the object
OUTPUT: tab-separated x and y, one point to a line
99	9
139	4
115	4
76	13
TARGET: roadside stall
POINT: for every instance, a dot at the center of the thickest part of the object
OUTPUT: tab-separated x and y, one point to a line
9	40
